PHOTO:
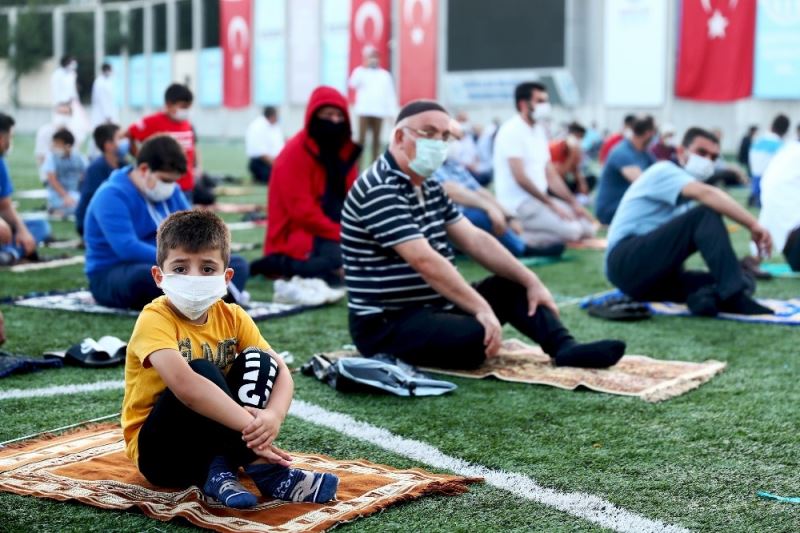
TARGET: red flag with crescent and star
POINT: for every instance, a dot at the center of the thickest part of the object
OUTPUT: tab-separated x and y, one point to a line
418	36
370	25
715	54
236	38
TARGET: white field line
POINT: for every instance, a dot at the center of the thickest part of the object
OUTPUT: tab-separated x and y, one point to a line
58	390
578	504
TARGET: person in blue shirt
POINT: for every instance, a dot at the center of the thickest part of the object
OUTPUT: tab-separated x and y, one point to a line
64	168
122	221
657	228
17	241
626	162
113	147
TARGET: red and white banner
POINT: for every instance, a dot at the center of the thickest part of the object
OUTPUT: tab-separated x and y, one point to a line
715	55
418	38
370	25
236	39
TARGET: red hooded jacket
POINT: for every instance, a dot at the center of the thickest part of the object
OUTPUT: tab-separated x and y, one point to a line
297	184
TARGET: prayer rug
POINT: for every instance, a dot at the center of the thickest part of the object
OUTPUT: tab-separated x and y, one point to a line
237	247
224	207
44	264
787	312
779	270
589	244
651	380
31	194
90	466
235	226
83	301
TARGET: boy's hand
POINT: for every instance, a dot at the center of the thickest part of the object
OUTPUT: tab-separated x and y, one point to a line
274	455
263	429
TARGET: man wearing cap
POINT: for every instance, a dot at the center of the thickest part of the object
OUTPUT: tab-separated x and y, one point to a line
405	296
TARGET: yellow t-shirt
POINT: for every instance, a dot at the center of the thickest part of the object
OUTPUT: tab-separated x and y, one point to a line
228	331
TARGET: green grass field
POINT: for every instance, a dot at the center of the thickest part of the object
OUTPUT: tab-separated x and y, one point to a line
696	461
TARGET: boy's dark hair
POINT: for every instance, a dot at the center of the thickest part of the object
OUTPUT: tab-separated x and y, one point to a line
105	67
523	91
270	112
66	60
103	134
628	120
695	132
780	125
642	125
6	123
162	153
177	93
65	136
576	129
195	231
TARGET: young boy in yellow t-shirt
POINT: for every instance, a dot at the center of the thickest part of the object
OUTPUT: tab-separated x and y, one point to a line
204	392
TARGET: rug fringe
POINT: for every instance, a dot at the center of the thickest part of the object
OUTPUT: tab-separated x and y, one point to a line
680	385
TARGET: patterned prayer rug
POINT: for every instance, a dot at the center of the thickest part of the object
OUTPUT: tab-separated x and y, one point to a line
652	380
90	466
787	312
83	301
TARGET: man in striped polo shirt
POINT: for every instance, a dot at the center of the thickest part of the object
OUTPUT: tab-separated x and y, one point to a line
406	297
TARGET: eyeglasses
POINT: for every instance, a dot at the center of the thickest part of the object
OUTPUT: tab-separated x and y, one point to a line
430	133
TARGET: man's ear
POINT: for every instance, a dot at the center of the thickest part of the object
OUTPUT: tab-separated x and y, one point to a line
158	275
228	275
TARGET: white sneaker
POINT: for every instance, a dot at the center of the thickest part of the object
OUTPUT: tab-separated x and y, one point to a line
317	285
290	292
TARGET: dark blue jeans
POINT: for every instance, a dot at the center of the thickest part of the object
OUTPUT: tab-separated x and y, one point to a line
131	286
509	239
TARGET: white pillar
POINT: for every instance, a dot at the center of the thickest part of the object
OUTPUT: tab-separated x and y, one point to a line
99	37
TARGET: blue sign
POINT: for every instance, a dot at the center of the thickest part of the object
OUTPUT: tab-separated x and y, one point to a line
209	77
269	52
160	77
777	50
137	81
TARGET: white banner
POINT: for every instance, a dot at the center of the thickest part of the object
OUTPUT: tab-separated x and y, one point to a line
304	49
635	53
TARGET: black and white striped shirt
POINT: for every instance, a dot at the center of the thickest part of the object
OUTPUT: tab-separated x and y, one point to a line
382	210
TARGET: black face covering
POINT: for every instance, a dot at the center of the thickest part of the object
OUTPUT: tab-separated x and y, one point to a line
329	135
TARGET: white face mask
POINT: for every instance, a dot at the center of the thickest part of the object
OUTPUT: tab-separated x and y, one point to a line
627	133
73	66
181	114
59	152
162	191
542	111
431	154
698	166
193	295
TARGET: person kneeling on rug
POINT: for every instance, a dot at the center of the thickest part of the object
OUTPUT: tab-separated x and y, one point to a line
656	229
205	394
406	297
122	220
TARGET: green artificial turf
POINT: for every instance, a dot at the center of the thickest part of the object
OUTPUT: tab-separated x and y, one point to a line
695	461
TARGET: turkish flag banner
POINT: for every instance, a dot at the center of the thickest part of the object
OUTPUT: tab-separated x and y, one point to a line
715	55
236	38
418	38
370	25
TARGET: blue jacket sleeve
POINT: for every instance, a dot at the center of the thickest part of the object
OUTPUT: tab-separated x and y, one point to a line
116	222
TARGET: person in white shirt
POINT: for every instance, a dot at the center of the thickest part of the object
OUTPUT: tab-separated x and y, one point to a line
63	82
485	146
263	142
375	98
104	102
62	118
780	197
526	183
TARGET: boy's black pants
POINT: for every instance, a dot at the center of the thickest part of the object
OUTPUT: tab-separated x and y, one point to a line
177	445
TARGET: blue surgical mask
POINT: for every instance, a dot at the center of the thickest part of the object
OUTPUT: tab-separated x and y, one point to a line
431	154
123	147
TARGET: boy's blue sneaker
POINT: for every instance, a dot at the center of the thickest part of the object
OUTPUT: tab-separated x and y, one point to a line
224	486
292	484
